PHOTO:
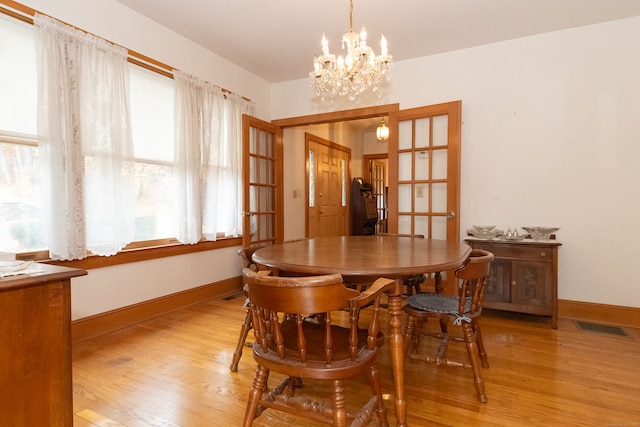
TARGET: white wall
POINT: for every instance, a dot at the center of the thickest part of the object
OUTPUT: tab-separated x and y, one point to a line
109	288
549	138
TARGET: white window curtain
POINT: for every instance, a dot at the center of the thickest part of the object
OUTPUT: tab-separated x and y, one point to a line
85	144
208	127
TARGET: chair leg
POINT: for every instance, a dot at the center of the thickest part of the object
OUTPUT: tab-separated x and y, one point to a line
376	386
246	327
474	359
338	404
444	327
416	335
408	334
257	388
481	350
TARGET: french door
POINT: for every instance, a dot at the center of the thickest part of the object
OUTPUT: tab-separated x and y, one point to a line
424	173
263	201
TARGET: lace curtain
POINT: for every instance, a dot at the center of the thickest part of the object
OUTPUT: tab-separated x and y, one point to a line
208	127
86	146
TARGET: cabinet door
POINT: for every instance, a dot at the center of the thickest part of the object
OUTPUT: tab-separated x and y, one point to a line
531	283
497	288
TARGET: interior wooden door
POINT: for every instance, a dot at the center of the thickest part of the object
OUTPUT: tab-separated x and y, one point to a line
376	174
424	173
263	202
328	178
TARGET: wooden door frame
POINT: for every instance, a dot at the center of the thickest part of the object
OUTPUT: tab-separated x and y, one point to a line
387	110
366	159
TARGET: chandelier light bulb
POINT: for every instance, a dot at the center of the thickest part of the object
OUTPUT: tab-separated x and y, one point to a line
363	37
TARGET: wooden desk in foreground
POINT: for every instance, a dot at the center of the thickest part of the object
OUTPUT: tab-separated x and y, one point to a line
35	348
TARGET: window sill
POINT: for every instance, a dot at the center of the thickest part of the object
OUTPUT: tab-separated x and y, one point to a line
144	254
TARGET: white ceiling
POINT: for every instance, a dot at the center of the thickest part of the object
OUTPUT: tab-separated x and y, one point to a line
277	39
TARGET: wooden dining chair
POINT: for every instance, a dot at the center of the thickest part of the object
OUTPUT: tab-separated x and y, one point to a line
463	310
247	262
329	346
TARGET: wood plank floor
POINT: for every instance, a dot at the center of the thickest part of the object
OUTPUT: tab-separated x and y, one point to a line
173	370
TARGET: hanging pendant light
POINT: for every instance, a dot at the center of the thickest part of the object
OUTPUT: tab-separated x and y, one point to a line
382	132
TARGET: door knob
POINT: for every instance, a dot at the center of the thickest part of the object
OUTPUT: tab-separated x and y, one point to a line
451	214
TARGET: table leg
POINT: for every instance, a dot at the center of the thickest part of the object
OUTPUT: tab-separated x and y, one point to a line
438	281
397	354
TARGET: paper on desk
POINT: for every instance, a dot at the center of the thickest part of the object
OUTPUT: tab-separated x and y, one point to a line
17	268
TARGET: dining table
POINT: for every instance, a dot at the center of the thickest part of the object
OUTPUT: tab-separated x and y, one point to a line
361	259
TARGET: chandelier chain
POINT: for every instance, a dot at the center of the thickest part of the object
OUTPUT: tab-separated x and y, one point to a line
351	16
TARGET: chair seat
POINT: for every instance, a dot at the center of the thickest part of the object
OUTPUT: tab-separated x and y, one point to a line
438	303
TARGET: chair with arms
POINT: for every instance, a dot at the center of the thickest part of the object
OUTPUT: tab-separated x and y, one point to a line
329	346
247	262
463	310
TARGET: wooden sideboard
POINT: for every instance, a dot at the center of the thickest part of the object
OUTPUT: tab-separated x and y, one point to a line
35	348
523	277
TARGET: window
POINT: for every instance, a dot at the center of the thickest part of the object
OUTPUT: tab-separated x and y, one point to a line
20	214
152	124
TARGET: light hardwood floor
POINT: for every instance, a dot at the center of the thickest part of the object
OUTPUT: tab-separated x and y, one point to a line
173	370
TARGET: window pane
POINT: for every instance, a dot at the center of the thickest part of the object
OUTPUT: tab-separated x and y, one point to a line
421	225
21	225
404	224
154	202
439	197
421	200
440	164
404	166
151	114
439	229
422	133
404	198
152	127
343	169
18	78
405	135
422	165
440	130
312	178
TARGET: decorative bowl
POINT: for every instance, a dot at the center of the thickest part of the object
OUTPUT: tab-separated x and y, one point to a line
484	231
540	233
483	228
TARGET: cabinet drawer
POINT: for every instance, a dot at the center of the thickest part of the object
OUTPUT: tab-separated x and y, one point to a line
521	251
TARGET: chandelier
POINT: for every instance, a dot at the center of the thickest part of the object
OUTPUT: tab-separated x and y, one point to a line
357	71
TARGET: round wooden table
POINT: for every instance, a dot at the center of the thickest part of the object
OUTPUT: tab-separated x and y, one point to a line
360	258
